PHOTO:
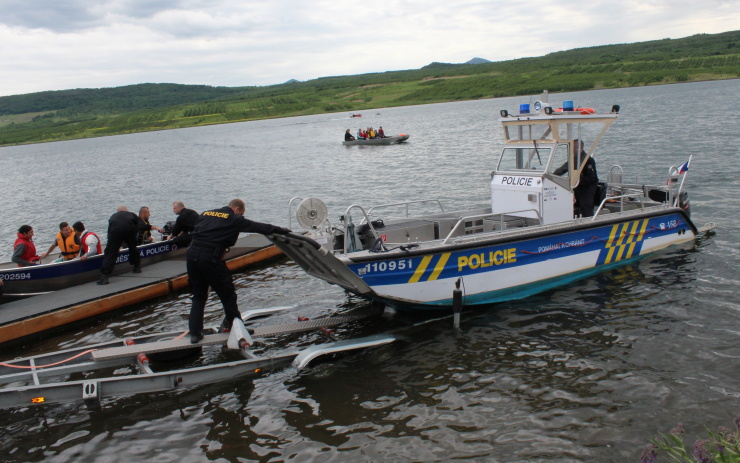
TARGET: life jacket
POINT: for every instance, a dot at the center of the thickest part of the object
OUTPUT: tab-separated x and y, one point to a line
84	248
29	252
69	248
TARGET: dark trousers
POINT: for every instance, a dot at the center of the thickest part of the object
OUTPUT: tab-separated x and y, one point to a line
585	199
116	238
205	269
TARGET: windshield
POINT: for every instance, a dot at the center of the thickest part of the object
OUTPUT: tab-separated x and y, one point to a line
526	159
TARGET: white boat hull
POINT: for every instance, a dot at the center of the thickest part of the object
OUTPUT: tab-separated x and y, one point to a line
500	266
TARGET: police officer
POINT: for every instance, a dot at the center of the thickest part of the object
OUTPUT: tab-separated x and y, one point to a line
122	228
215	232
184	224
588	183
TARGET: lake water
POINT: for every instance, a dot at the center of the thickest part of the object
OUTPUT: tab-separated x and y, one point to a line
588	372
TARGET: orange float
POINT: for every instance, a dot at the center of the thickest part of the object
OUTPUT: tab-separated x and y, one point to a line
581	110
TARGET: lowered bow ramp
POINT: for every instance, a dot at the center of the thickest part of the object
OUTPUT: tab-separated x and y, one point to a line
318	262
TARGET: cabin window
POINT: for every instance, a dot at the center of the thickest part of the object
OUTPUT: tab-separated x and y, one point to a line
527	132
559	164
529	159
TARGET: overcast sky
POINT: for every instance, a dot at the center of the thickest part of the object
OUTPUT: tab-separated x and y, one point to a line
62	44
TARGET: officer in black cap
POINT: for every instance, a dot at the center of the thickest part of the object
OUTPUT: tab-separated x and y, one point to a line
215	232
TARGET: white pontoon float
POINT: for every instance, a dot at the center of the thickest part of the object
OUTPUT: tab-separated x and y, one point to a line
91	373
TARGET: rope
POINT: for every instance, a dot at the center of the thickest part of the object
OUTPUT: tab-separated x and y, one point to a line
49	365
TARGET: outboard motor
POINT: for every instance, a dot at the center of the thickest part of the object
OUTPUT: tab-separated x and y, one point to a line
683	202
167	229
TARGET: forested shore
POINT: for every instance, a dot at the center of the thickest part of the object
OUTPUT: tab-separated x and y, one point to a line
83	113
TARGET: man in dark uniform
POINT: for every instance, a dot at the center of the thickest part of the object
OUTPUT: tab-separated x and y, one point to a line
122	228
215	232
144	234
184	224
587	184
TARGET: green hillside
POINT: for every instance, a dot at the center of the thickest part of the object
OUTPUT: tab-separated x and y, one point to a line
80	113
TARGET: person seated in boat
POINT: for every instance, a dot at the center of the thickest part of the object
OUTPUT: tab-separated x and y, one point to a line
361	135
24	251
89	241
144	230
587	183
381	134
348	136
67	242
371	133
184	224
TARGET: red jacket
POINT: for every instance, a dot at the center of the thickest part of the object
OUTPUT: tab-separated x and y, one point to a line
85	248
29	252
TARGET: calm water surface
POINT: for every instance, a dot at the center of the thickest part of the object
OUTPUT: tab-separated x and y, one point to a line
588	372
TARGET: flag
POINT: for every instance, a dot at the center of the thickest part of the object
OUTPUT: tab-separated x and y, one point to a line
684	167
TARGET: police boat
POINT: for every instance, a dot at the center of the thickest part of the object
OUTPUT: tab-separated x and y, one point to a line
169	362
529	240
51	275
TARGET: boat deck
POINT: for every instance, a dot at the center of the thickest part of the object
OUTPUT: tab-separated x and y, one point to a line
37	314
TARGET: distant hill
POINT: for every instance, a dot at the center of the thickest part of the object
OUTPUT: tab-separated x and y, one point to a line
437	65
113	100
80	113
477	61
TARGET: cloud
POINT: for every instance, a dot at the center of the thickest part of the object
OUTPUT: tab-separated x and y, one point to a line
54	45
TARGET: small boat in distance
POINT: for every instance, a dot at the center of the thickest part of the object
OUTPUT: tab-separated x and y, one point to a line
355	115
379	141
419	254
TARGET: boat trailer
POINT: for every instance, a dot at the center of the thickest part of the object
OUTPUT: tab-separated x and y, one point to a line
127	367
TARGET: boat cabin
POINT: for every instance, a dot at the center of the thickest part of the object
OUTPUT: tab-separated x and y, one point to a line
537	172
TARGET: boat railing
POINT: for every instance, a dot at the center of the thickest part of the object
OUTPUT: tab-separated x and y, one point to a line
290	210
501	219
406	204
621	198
346	222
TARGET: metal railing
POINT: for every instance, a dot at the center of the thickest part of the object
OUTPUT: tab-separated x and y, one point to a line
502	222
406	204
621	203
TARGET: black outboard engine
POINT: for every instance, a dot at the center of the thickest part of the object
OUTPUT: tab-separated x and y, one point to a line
683	202
167	229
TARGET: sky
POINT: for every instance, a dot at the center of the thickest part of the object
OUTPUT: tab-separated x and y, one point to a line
63	44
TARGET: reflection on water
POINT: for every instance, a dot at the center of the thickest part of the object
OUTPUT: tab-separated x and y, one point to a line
587	372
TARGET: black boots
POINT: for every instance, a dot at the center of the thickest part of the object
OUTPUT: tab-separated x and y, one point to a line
137	268
195	338
103	280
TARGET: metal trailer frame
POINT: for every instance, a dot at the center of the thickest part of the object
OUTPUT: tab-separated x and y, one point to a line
43	381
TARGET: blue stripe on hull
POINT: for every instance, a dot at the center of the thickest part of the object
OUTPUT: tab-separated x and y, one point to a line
616	244
530	289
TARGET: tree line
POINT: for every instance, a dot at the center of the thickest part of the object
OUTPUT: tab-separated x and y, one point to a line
47	116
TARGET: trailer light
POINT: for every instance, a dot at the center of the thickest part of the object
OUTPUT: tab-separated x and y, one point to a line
38	400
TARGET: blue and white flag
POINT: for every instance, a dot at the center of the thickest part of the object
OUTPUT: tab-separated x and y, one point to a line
684	167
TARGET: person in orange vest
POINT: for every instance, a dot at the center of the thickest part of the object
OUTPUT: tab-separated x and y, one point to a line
66	242
24	251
